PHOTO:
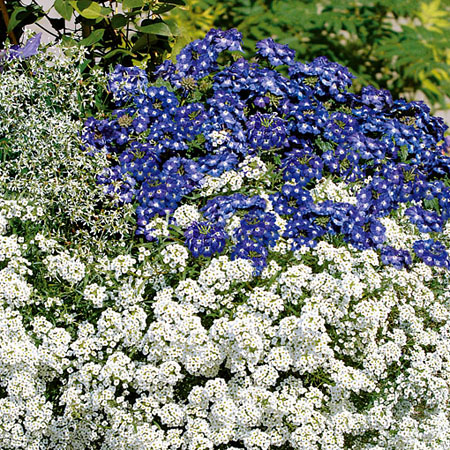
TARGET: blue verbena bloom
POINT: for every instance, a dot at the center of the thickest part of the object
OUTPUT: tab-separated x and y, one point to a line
254	251
277	54
205	239
426	221
126	82
395	257
260	227
266	131
432	252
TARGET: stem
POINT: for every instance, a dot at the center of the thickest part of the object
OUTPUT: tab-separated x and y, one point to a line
5	15
45	29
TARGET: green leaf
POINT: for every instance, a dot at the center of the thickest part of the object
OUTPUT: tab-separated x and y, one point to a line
159	28
94	37
90	10
144	42
69	42
432	204
83	65
14	19
130	4
119	21
163	9
118	51
64	8
173	27
403	153
180	43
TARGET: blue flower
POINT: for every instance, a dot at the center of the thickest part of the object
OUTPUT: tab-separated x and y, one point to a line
256	252
205	239
432	252
397	258
266	131
277	54
30	48
426	221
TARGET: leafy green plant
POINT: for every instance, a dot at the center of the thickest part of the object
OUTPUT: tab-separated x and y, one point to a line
121	31
403	46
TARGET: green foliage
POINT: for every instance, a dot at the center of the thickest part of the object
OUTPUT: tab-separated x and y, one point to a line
19	17
197	18
403	46
129	32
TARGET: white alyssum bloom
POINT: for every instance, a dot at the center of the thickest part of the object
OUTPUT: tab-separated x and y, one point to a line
14	289
63	265
175	256
228	181
218	138
326	189
95	294
121	265
252	167
157	227
9	247
185	215
45	244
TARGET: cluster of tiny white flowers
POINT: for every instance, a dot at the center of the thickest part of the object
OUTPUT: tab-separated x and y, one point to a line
228	181
41	113
157	227
399	233
252	167
218	138
326	189
69	268
95	294
44	243
9	247
186	214
175	256
14	289
299	347
121	265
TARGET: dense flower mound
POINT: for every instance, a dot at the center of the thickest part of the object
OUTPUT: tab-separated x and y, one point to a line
226	132
288	287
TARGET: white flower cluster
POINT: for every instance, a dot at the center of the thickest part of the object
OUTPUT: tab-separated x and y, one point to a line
326	189
186	214
157	227
69	268
228	181
299	358
175	256
95	294
218	138
41	114
252	167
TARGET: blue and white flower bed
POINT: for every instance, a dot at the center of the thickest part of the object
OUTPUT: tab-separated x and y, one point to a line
240	255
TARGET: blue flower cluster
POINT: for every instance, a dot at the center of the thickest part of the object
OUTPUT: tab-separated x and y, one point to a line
206	239
202	115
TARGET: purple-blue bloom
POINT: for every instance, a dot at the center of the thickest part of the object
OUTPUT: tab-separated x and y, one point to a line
30	48
205	239
277	54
